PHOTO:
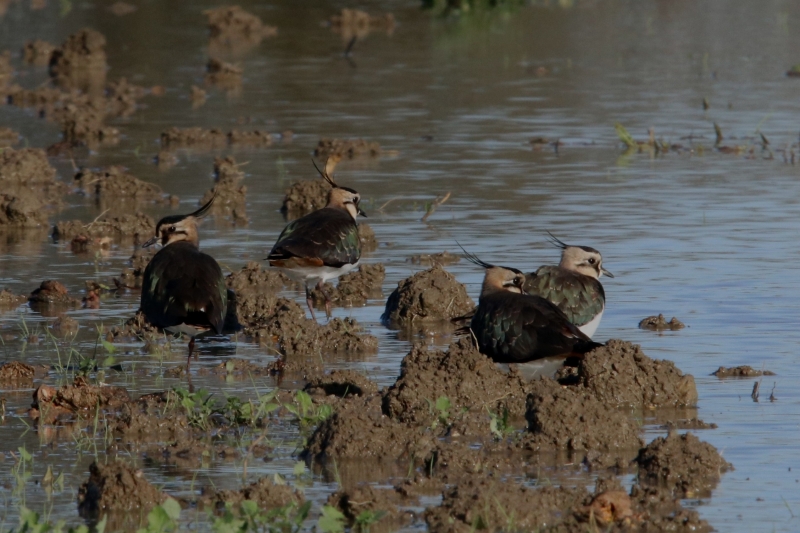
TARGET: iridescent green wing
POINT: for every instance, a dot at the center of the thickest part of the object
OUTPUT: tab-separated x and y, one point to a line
580	297
327	234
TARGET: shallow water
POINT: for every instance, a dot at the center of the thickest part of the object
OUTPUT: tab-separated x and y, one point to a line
706	236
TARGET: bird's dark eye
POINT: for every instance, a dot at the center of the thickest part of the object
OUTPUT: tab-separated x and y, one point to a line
519	281
171	229
591	260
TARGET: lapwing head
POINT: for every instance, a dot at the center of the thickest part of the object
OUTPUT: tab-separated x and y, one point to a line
497	278
175	228
342	197
581	259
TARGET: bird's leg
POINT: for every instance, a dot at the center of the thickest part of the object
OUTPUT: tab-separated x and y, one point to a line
189	362
327	299
310	303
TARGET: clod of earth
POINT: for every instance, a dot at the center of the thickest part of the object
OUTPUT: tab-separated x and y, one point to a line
682	464
620	374
264	492
346	148
16	374
9	300
356	23
113	183
71	401
305	196
234	31
659	323
131	278
354	288
38	52
377	502
197	96
8	137
6	69
116	486
431	295
442	258
52	292
29	188
81	61
223	75
230	193
138	227
691	423
209	139
341	383
743	371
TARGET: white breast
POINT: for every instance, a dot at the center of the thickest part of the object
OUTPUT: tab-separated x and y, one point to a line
590	327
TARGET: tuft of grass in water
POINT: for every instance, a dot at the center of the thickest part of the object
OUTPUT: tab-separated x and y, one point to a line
624	136
307	414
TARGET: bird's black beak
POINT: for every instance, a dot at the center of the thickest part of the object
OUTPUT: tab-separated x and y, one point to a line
607	273
150	242
362	213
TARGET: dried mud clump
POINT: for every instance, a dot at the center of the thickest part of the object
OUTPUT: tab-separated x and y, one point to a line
52	292
431	295
346	148
38	52
443	258
230	194
356	23
116	486
264	492
137	227
304	197
223	75
50	404
354	288
9	300
16	373
469	379
81	61
234	30
498	505
564	418
114	183
743	371
341	383
682	464
193	138
659	323
620	374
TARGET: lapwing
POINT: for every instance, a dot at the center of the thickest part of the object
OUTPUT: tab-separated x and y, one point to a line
574	285
183	289
322	245
511	326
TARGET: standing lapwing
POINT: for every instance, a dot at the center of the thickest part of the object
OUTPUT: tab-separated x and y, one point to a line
183	289
322	245
574	285
513	327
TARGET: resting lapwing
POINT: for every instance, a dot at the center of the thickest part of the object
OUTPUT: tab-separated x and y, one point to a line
322	245
574	285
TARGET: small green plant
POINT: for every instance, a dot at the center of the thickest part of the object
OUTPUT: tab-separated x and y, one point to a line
500	425
331	521
31	522
441	408
198	406
250	518
366	519
305	411
163	518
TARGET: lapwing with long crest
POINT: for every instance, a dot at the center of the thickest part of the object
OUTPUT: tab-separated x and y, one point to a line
573	285
322	245
183	289
511	326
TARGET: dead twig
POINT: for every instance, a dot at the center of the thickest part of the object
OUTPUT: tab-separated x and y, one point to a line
436	203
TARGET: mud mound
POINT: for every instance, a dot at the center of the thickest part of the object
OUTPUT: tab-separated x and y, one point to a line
230	193
497	505
131	278
264	492
367	237
342	435
193	138
28	171
252	279
223	75
52	292
356	23
116	486
354	288
366	498
577	421
8	137
743	371
442	258
22	210
234	31
304	197
135	327
346	148
253	138
50	404
114	183
81	61
137	227
620	374
38	52
469	380
9	300
341	383
659	323
433	294
16	374
683	464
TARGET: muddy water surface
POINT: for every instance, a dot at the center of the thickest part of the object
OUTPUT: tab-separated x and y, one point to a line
706	234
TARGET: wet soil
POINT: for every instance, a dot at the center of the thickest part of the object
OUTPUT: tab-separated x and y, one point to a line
442	258
8	137
111	184
81	61
743	371
264	492
340	383
430	295
230	195
52	293
197	138
29	188
363	499
223	75
136	227
70	401
38	52
305	196
346	148
16	374
116	486
354	288
682	464
234	31
659	323
9	300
